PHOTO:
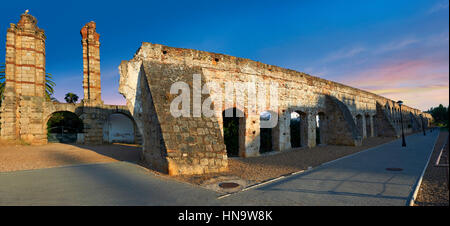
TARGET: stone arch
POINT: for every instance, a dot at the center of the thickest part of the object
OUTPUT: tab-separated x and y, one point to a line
369	125
66	132
119	127
267	136
321	128
233	126
359	125
299	129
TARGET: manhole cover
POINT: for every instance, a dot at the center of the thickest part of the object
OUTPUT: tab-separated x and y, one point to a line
228	185
394	169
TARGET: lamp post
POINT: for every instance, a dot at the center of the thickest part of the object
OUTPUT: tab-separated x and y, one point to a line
423	126
401	122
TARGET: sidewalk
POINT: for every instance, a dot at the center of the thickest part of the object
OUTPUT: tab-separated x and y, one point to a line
359	179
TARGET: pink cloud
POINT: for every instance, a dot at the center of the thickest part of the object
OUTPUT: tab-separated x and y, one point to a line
419	83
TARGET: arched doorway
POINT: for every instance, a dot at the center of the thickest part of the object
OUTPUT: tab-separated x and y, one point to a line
298	128
368	126
234	131
119	128
321	128
63	127
265	134
359	125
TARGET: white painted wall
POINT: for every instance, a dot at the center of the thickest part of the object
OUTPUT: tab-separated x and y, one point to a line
118	128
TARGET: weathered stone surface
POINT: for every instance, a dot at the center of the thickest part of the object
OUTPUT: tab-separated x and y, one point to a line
191	145
347	114
25	110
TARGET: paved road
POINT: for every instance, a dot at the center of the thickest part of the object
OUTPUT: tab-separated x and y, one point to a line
360	179
118	183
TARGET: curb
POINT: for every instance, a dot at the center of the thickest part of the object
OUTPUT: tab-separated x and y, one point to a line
262	183
410	202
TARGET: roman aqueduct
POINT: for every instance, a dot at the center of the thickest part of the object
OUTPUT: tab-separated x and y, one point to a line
194	144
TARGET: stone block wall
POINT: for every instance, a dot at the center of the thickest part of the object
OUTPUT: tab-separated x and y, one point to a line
25	111
21	110
91	63
183	141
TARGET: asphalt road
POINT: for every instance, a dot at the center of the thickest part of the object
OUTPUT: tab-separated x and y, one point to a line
118	183
360	179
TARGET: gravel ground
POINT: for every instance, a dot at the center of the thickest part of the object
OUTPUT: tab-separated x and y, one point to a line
434	188
257	169
15	157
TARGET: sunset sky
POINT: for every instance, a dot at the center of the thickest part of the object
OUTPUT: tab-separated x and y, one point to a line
397	49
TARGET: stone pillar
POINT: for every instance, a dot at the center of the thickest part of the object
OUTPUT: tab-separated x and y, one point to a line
372	130
284	122
22	108
364	126
91	63
93	118
311	128
252	136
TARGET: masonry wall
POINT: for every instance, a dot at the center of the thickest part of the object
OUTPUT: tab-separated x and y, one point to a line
25	110
163	66
21	110
90	40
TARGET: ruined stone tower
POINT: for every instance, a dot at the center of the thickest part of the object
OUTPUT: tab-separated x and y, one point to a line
21	113
91	64
25	110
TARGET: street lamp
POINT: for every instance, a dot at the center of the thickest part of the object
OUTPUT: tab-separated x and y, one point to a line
423	126
401	122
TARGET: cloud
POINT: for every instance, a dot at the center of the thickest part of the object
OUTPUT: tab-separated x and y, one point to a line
403	90
344	53
438	7
392	46
420	83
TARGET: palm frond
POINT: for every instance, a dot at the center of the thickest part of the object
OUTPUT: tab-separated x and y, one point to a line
49	84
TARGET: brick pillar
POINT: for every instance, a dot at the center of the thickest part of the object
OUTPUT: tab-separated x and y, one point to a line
91	64
22	108
92	103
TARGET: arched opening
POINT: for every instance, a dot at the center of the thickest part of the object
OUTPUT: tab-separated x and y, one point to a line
359	125
298	127
234	131
321	128
265	133
368	126
63	127
119	128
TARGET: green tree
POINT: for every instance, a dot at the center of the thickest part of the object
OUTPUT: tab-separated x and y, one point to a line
49	84
440	114
64	120
71	98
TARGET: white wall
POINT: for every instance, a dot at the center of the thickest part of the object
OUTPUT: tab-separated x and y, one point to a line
118	128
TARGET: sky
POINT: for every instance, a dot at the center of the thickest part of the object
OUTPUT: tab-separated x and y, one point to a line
397	49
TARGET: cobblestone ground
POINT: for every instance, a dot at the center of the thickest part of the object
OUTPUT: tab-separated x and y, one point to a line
434	188
15	157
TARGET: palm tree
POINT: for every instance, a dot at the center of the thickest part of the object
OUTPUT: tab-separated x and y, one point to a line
49	84
71	98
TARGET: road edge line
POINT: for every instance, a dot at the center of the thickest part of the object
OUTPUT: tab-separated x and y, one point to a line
411	200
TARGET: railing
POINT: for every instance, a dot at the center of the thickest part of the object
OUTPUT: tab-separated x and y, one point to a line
64	136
